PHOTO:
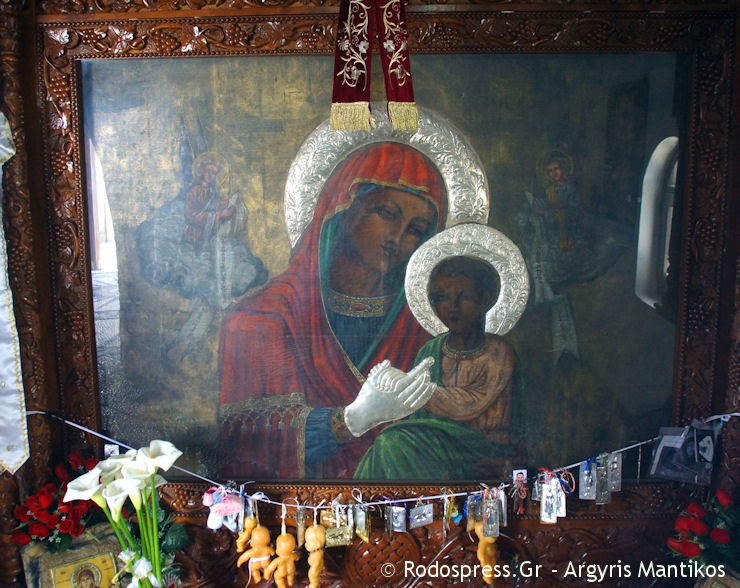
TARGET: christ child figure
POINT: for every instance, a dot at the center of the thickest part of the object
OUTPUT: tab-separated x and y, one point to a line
473	369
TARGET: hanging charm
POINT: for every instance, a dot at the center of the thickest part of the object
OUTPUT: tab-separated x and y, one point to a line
361	516
446	514
518	491
421	514
614	464
396	518
567	487
587	480
470	505
224	506
300	525
240	516
504	515
337	536
549	501
362	522
337	524
388	520
537	488
455	514
491	506
602	494
561	502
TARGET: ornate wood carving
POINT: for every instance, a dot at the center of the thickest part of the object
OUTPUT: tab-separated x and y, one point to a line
630	530
730	472
116	6
28	281
70	30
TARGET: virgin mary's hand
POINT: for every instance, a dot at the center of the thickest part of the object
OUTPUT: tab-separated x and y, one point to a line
389	394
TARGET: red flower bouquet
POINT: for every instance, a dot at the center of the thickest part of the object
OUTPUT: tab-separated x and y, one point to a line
709	533
45	519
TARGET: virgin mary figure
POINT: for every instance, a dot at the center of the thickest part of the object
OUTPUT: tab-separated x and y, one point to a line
295	354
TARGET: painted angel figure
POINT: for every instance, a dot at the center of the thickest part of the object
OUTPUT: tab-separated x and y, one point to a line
564	244
196	246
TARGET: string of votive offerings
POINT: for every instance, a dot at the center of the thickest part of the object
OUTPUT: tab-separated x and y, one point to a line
680	453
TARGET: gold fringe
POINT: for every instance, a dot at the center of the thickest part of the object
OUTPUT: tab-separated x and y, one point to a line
350	116
404	116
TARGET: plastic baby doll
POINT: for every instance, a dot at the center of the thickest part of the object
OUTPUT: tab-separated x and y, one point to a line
487	552
241	541
315	540
260	553
284	564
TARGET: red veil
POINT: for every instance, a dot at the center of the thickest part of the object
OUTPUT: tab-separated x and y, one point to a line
278	355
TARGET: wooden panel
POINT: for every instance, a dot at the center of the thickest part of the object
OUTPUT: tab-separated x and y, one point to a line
47	237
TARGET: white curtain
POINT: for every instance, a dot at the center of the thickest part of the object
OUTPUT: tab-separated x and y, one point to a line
13	431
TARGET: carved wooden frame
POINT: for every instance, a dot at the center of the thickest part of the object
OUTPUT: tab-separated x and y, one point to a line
46	227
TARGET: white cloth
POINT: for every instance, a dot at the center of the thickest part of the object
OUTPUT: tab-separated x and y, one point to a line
13	430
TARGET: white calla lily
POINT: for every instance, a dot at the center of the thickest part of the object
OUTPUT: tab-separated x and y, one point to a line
117	492
85	487
134	488
161	454
123	458
132	476
138	470
110	470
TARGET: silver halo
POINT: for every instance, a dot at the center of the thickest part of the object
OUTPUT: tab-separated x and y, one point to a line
474	240
459	164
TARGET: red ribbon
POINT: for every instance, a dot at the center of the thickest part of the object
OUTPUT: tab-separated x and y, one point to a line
361	22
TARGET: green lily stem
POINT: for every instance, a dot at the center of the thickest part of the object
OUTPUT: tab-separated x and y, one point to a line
127	533
145	523
146	544
156	560
115	528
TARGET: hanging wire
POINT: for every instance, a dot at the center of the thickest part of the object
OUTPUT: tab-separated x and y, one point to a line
261	497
